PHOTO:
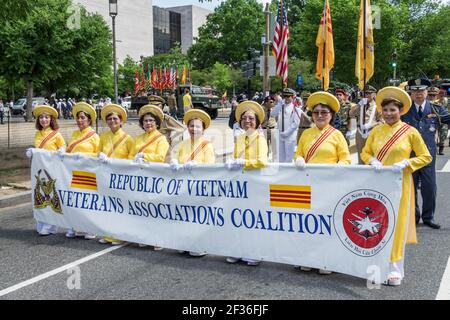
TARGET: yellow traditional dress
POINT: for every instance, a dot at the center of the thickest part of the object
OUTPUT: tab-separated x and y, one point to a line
86	142
153	145
117	145
401	149
323	146
199	150
48	139
253	149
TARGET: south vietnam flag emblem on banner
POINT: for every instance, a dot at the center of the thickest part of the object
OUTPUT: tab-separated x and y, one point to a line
84	180
290	196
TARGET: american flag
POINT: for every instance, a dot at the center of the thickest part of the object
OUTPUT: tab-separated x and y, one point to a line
280	42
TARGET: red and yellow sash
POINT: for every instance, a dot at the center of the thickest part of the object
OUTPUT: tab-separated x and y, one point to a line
197	150
149	143
323	137
77	142
397	135
121	139
47	138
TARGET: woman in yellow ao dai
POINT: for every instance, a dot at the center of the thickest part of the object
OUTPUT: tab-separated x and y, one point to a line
250	148
196	149
322	143
391	144
150	146
114	143
84	141
48	138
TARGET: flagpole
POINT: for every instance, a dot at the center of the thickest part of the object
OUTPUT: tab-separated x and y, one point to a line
282	31
282	81
365	61
324	17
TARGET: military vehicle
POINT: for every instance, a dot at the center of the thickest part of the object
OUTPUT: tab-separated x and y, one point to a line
203	98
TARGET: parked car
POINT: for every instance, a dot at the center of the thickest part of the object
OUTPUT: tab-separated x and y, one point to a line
20	106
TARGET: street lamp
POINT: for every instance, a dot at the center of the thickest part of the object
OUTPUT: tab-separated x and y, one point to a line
113	14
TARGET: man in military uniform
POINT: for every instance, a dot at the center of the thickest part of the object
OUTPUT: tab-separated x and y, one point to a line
305	120
288	122
344	112
170	127
269	125
425	117
367	117
435	97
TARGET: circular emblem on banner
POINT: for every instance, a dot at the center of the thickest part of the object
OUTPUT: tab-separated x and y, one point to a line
364	221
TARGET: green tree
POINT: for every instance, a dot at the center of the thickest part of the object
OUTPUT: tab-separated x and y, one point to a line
127	75
221	79
233	27
39	46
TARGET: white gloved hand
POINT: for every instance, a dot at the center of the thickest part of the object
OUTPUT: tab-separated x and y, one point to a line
348	134
77	156
377	165
139	157
174	165
103	158
300	163
61	152
190	164
399	166
283	135
362	102
234	164
29	152
366	126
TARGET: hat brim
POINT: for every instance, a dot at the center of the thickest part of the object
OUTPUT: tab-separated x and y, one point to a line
156	100
38	110
395	93
248	105
85	107
323	98
197	114
153	109
116	109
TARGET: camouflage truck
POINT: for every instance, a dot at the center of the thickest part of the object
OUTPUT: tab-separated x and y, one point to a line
203	98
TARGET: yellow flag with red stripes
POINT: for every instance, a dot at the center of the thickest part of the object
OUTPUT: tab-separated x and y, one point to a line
84	180
290	196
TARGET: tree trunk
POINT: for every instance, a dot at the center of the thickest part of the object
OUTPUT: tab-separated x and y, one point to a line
28	115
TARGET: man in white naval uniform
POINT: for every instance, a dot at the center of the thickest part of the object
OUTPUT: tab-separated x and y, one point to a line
288	121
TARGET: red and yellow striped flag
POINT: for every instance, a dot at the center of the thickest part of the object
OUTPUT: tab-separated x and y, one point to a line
365	59
325	45
290	196
84	180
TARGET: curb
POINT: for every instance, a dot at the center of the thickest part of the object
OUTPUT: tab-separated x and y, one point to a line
15	199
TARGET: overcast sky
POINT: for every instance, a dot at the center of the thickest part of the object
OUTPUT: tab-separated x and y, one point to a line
206	4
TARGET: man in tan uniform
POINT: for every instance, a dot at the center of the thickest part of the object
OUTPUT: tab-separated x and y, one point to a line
367	117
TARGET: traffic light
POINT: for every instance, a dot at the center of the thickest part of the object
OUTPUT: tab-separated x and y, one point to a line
394	59
250	66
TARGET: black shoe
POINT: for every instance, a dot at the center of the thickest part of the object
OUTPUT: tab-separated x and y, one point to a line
441	151
432	224
417	221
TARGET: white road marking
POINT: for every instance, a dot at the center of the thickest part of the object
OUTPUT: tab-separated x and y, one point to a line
446	168
58	270
444	288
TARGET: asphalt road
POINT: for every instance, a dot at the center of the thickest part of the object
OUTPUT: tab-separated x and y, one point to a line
131	272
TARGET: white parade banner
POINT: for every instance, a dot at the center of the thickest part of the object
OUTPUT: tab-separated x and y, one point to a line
338	218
